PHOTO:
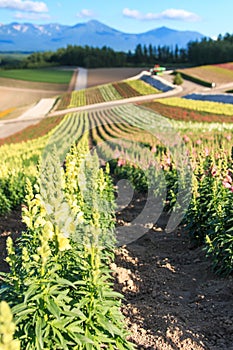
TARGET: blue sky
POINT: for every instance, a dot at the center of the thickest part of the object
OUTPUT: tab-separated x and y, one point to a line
210	17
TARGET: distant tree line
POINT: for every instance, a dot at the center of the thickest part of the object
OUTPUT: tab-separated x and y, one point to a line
206	51
210	51
91	57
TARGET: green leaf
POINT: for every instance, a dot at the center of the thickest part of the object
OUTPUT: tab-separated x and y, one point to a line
60	341
63	281
31	291
53	308
74	327
38	329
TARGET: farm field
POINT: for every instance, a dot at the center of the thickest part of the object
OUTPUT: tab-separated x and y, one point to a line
54	76
171	289
142	267
210	73
228	65
100	76
24	93
183	113
199	105
106	92
221	98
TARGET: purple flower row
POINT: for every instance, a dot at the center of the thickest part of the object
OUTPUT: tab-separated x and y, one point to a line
156	83
223	98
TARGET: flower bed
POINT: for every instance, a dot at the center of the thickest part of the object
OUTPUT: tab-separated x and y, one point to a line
202	106
156	83
185	114
125	90
222	98
228	65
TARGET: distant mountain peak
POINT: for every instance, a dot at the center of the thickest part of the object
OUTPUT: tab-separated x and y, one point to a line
33	37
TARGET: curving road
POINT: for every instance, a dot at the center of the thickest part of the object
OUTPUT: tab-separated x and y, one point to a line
109	104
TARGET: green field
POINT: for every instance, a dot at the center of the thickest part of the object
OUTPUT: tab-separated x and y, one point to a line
46	75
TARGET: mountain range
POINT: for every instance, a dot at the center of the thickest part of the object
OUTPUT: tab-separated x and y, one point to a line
32	37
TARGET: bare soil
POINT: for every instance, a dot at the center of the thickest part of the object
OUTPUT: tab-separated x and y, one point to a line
18	93
172	299
108	75
210	74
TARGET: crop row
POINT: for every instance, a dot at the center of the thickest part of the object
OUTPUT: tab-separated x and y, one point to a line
33	132
211	176
228	65
107	92
19	160
156	83
221	98
201	106
142	87
125	90
186	114
126	129
59	287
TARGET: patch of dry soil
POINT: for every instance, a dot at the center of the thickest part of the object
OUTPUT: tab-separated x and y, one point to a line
10	225
100	76
172	299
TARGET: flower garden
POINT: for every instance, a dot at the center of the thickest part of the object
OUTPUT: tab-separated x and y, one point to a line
107	92
59	287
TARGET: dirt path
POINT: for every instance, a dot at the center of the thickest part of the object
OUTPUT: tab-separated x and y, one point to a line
173	301
81	81
31	116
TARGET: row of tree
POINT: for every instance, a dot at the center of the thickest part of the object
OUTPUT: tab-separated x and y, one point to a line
206	51
210	51
91	57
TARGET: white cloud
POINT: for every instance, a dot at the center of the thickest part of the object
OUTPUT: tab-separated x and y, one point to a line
170	14
21	5
32	16
132	13
181	15
85	13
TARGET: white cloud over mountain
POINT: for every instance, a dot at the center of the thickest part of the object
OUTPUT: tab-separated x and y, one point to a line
169	14
32	16
85	13
27	5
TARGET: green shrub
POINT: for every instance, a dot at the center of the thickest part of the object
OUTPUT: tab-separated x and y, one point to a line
178	80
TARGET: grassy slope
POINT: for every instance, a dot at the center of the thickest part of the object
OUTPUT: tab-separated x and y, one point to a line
210	73
38	75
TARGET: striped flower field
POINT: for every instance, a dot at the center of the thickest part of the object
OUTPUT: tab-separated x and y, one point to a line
176	153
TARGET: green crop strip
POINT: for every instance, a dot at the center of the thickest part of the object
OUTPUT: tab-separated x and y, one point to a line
55	76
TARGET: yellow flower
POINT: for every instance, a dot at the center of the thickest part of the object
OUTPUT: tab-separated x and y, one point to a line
39	222
49	230
63	243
